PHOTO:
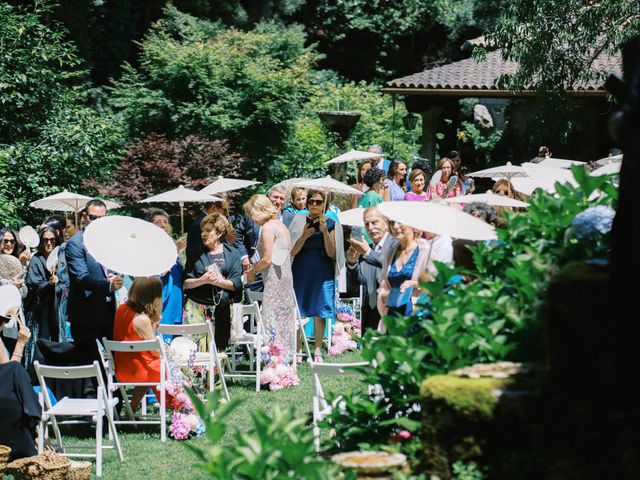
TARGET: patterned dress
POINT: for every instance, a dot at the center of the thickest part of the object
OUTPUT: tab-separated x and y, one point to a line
278	301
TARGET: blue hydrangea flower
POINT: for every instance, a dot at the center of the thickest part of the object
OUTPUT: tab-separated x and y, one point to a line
593	221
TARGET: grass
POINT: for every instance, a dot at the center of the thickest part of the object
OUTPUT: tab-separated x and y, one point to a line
148	458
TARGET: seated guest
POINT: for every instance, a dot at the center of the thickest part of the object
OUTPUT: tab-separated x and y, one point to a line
213	279
173	280
20	408
418	181
365	261
137	320
402	270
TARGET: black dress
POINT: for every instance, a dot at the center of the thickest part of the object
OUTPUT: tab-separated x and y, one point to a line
21	411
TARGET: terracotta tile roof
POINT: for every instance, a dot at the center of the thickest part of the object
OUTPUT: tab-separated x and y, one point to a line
469	74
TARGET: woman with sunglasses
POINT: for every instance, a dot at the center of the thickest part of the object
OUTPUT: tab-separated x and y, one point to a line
41	305
11	245
314	239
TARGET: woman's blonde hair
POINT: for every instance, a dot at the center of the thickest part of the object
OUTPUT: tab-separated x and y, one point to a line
220	223
145	296
263	209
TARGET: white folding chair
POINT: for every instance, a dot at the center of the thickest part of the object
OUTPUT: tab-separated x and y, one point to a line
322	408
255	297
254	340
113	383
96	408
209	359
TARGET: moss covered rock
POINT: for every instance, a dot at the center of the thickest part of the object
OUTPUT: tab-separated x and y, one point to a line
472	418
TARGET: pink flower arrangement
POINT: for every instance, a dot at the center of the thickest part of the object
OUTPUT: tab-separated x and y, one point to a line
342	340
179	430
277	373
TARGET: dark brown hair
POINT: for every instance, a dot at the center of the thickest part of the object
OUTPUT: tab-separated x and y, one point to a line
145	296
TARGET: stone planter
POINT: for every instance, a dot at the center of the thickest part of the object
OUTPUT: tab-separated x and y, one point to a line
371	465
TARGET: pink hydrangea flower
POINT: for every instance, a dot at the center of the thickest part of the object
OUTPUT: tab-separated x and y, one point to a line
267	375
179	430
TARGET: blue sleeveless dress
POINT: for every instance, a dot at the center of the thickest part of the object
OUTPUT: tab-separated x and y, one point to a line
396	278
313	277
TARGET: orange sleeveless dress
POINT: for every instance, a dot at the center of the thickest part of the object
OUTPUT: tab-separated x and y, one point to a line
137	367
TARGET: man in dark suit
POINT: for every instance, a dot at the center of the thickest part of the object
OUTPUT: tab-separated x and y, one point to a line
364	262
91	304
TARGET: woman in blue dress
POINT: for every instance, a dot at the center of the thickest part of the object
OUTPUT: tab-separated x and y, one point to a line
313	268
402	271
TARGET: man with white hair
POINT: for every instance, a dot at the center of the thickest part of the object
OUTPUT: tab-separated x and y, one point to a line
364	261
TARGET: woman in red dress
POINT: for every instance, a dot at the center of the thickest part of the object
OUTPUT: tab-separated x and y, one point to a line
137	320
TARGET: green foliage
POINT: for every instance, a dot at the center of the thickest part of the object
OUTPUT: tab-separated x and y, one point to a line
311	145
484	144
195	77
279	446
556	42
467	471
38	68
49	138
458	324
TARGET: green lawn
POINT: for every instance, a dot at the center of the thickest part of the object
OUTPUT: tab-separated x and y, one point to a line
148	458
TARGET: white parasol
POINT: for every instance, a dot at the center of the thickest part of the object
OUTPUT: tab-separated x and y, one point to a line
66	201
607	169
489	198
507	171
130	246
354	156
221	185
438	218
542	177
353	217
329	185
29	237
606	160
181	195
560	163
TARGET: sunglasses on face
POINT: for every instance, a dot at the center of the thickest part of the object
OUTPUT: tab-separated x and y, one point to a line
315	202
48	240
8	240
94	217
502	192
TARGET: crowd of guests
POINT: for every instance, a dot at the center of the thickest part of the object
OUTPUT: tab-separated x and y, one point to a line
288	245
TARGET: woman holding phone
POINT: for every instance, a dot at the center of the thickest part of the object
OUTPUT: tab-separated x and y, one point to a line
314	269
213	279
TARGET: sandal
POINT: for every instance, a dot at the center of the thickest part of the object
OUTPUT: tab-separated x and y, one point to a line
299	357
318	358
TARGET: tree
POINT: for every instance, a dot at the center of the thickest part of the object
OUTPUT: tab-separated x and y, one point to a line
556	43
155	164
195	77
50	138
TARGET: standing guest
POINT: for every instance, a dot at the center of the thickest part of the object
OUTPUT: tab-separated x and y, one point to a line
396	178
213	279
365	261
375	180
278	304
298	201
360	185
70	229
444	183
317	262
194	239
58	222
248	233
137	320
383	163
543	153
91	303
418	181
11	245
402	270
173	280
41	305
505	188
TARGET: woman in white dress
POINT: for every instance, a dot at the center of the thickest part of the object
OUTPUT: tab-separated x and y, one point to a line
278	303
